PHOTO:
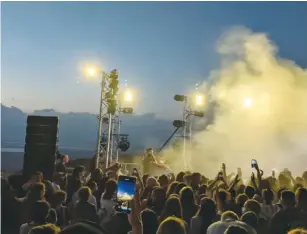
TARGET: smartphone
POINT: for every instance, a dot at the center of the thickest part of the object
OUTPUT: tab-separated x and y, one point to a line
125	191
254	163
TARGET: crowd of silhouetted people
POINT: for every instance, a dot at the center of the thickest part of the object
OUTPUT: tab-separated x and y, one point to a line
186	203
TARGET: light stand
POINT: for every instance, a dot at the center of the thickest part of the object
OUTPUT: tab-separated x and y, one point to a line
187	132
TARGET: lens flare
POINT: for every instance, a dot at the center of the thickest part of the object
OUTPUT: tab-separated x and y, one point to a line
248	102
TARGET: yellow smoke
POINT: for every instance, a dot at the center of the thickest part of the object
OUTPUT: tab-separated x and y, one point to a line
262	111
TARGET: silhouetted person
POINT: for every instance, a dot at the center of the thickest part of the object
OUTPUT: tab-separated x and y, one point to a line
84	210
149	221
205	216
188	204
39	212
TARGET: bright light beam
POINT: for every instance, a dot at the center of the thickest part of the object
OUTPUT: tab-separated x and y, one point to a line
199	101
128	97
91	71
247	102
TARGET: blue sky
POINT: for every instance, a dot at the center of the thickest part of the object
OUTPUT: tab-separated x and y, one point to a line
161	48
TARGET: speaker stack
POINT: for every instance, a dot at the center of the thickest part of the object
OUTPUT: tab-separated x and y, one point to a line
41	145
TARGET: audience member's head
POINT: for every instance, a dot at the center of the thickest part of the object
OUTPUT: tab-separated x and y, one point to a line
284	181
268	196
172	225
179	187
59	198
110	189
249	191
301	199
96	175
92	185
172	208
279	192
171	188
149	221
229	215
84	194
195	179
234	229
241	199
151	182
49	190
257	198
39	212
252	205
202	189
251	219
158	195
77	172
163	181
187	198
187	178
287	199
45	229
180	176
207	210
37	192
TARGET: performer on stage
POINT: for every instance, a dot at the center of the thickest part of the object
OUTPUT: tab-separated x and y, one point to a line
151	165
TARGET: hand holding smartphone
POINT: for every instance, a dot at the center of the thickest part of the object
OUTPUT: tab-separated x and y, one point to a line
126	187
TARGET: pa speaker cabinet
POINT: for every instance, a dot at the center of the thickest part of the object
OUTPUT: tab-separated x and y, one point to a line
41	145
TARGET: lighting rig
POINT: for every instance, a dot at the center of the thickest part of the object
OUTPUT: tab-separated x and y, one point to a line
111	140
187	120
119	141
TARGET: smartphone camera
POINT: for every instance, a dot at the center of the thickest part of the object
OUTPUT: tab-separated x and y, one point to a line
125	192
254	163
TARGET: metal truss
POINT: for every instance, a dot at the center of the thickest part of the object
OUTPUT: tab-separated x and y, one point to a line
105	126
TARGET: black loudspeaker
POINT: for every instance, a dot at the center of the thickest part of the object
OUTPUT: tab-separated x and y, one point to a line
41	145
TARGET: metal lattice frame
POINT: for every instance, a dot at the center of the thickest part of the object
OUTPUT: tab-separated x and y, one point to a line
115	139
102	151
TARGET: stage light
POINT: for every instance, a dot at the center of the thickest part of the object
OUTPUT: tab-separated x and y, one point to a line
128	97
247	102
91	71
178	123
199	100
179	98
126	110
198	113
124	143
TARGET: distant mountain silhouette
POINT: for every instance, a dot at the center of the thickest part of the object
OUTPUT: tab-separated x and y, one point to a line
80	129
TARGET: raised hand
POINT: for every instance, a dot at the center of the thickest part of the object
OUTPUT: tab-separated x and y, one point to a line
253	178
